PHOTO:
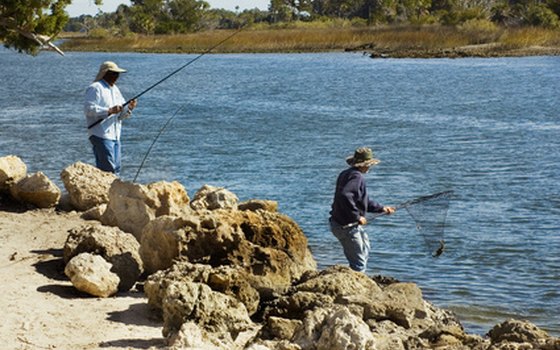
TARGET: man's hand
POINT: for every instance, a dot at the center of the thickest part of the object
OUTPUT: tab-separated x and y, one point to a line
362	220
132	104
389	210
115	109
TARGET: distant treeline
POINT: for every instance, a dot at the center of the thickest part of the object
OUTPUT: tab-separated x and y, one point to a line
187	16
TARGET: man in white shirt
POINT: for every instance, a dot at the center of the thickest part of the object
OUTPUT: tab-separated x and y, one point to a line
104	114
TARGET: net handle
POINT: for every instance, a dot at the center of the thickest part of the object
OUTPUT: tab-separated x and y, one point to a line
403	205
415	201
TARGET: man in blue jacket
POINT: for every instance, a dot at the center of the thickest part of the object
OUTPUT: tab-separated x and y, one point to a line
104	112
351	202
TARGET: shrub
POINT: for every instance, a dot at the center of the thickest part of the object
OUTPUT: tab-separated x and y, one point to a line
540	15
480	30
99	33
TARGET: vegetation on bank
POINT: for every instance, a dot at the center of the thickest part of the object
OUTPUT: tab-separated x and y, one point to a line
471	39
310	21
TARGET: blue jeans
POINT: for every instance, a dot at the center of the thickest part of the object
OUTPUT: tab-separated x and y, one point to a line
107	154
355	243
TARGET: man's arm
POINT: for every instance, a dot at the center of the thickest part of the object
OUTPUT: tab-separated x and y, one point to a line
93	109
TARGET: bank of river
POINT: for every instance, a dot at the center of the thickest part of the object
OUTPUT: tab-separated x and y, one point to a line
396	42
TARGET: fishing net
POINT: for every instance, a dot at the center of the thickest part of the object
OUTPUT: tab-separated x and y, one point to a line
429	214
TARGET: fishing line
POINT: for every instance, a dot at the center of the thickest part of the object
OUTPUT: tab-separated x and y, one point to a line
155	140
172	73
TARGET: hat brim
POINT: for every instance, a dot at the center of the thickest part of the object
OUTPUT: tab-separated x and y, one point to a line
368	163
117	70
102	72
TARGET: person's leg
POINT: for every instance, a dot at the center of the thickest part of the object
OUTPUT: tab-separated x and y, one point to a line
355	243
117	154
104	153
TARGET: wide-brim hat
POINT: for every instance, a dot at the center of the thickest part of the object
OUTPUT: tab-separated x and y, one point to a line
363	157
108	66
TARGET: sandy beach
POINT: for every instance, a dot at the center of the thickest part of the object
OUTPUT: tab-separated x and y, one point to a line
42	308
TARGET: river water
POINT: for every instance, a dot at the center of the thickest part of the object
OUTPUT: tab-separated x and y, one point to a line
279	126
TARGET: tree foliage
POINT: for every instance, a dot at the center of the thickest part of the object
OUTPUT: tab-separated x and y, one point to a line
22	21
181	16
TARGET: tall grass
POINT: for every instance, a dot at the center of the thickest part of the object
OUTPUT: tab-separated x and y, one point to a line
326	36
531	36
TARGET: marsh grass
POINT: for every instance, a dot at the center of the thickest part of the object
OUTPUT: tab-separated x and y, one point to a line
528	37
326	37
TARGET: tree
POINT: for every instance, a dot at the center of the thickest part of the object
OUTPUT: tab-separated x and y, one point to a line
27	25
281	10
186	14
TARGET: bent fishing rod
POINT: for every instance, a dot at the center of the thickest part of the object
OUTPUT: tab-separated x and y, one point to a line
172	74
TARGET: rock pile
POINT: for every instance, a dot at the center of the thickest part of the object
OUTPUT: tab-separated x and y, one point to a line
229	275
35	189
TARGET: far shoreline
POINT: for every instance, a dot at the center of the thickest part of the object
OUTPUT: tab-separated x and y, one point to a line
377	42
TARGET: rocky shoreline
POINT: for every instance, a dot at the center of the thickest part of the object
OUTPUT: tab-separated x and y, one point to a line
225	274
492	50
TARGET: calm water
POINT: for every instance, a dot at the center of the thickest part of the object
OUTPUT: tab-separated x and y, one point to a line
279	127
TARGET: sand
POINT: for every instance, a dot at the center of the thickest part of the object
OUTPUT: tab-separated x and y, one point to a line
42	310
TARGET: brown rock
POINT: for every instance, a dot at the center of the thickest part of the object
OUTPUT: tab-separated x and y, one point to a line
92	274
36	189
12	169
86	185
117	247
259	204
132	206
516	331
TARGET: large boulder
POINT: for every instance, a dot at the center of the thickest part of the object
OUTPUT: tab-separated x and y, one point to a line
92	274
87	186
117	247
162	239
12	169
271	247
215	312
132	206
516	331
230	280
36	189
333	328
322	289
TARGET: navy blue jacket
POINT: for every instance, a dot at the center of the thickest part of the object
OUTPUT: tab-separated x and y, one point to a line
351	199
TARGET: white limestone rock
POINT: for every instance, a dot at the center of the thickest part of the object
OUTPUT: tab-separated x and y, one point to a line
92	274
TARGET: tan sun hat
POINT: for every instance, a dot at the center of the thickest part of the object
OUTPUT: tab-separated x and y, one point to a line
363	156
108	66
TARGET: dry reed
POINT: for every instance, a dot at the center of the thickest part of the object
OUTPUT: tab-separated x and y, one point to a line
323	38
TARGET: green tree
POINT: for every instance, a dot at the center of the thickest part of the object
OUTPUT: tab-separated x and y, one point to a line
281	10
27	25
414	9
186	15
167	16
341	8
538	14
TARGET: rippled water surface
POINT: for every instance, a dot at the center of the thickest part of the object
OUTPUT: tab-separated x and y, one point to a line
279	127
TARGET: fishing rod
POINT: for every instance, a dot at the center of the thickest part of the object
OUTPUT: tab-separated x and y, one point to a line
172	73
181	107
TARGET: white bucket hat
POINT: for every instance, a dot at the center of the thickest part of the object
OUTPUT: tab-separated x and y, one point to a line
108	66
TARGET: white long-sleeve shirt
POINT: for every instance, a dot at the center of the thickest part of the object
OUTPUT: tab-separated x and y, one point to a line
99	98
